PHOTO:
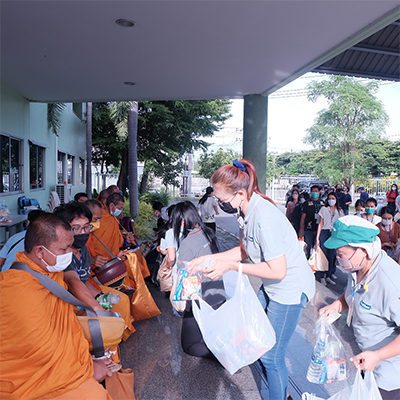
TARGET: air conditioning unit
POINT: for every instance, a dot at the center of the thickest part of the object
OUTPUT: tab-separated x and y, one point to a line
64	192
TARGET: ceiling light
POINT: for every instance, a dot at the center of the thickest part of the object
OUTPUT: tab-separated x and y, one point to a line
129	83
126	23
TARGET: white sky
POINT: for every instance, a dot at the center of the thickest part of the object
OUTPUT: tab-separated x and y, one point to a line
290	114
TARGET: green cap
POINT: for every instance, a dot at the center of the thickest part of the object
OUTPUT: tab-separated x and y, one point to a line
351	229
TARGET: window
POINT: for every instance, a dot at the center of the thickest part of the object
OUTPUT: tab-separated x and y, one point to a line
10	166
36	164
61	167
70	169
82	170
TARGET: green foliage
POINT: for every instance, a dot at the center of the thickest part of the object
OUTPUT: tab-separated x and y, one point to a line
354	113
210	162
151	198
54	113
145	222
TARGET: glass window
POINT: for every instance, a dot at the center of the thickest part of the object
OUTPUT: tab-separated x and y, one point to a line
61	167
70	169
36	161
82	170
10	166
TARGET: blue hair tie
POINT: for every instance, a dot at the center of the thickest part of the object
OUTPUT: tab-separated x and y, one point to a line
239	165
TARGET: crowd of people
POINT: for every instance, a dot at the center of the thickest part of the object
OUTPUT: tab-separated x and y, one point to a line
79	238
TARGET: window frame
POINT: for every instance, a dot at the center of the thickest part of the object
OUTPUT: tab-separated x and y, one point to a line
38	147
72	158
20	165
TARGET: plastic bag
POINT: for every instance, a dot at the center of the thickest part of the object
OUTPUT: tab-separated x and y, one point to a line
321	263
328	363
363	389
311	260
239	332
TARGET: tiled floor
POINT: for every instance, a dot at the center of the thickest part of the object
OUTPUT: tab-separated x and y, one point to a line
163	371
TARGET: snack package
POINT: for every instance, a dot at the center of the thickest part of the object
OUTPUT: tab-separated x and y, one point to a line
191	288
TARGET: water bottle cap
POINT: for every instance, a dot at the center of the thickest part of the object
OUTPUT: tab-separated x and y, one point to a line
321	343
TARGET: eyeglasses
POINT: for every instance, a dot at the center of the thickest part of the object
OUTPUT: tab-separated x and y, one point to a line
221	202
81	229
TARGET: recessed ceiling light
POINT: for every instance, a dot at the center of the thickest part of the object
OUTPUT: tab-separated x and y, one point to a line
129	83
126	23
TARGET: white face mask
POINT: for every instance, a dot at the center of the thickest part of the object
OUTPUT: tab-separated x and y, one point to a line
386	222
302	200
331	202
62	261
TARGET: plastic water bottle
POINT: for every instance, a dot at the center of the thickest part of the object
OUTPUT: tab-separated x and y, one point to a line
107	300
316	367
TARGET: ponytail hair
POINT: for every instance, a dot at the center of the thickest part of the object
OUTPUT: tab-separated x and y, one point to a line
232	178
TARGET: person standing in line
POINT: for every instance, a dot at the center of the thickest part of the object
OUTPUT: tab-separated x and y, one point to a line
370	211
328	215
310	219
208	208
297	211
270	242
360	207
292	204
363	194
372	296
346	200
389	231
391	196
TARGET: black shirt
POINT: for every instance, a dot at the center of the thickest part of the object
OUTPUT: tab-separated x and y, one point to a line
311	209
82	266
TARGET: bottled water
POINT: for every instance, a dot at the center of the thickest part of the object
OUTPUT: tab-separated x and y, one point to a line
107	300
317	369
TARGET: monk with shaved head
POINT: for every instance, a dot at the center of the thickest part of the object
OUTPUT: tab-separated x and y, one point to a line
43	352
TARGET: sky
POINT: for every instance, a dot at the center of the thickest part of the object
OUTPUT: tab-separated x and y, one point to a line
290	114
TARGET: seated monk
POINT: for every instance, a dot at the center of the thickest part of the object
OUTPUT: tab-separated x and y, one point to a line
43	352
78	272
102	198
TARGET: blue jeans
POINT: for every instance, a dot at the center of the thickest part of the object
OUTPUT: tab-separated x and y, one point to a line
284	320
309	238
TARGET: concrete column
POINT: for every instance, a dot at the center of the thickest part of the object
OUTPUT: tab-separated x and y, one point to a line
255	135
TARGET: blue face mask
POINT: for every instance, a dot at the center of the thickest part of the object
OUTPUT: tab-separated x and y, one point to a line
314	195
116	213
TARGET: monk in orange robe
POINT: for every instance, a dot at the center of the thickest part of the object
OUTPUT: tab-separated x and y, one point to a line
43	352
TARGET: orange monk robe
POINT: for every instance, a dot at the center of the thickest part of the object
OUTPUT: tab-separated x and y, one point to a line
44	353
110	234
124	305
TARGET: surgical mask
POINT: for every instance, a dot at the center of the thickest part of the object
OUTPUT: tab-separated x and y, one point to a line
80	240
314	195
156	214
393	187
227	207
386	221
302	200
62	261
331	202
347	263
95	225
116	212
369	210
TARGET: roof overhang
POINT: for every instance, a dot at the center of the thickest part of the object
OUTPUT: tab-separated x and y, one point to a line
72	51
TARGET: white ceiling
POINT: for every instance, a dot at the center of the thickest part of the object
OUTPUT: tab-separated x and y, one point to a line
66	51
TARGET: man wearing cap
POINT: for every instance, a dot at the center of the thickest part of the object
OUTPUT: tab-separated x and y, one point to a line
363	194
372	298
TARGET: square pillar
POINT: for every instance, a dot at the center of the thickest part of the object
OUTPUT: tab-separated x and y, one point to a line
255	135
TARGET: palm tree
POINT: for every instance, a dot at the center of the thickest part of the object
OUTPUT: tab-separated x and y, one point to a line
125	116
54	112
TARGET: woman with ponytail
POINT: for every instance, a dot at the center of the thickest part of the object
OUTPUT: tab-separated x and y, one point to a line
270	242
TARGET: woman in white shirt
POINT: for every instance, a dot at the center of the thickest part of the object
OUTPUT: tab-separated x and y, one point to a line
208	208
328	215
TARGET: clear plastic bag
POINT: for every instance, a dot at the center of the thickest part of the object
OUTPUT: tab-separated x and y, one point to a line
328	363
239	332
363	389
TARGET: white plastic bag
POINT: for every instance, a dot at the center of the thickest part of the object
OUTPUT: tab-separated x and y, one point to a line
363	389
239	332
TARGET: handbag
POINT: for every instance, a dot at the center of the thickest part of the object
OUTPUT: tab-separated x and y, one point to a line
120	385
321	263
179	305
165	277
101	329
239	332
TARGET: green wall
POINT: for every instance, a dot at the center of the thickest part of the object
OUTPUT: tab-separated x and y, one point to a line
28	121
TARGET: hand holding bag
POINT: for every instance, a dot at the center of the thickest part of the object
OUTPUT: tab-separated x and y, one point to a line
239	332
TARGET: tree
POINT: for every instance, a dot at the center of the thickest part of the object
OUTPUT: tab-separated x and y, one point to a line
354	113
210	162
54	112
